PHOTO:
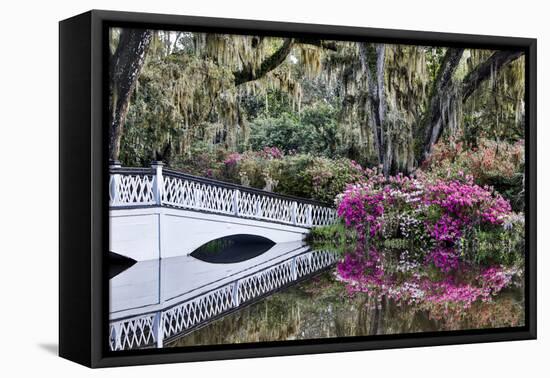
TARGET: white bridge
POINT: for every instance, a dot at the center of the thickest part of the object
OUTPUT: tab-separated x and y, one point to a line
158	213
159	216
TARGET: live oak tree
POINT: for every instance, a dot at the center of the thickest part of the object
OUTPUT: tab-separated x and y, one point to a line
445	98
390	103
195	87
444	102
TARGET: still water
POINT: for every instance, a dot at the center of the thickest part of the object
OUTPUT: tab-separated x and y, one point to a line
321	308
301	299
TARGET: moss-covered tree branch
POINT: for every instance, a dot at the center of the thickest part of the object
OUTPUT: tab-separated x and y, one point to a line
249	73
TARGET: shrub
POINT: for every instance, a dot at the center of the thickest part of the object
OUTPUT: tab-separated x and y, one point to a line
284	132
497	164
441	211
301	175
203	160
313	131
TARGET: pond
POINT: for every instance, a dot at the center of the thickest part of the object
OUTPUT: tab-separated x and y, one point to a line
317	309
331	304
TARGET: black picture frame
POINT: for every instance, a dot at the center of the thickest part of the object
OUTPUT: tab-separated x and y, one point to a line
83	180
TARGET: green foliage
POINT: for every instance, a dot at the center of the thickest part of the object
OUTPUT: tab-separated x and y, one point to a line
313	102
312	131
203	160
322	117
503	245
496	110
302	175
336	237
214	246
317	177
284	132
173	104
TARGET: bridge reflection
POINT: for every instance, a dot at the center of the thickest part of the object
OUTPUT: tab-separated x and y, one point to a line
155	301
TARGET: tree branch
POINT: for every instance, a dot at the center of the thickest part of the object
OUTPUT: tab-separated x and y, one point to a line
329	45
471	82
248	73
484	71
269	64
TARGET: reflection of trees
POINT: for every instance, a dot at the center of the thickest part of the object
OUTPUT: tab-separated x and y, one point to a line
321	308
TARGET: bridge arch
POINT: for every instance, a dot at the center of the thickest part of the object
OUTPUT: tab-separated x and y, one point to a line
233	249
160	232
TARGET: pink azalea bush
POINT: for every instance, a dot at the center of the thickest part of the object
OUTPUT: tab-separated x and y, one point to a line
461	205
447	208
232	159
361	207
499	164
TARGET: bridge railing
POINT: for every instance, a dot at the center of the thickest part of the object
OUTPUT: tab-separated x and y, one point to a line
155	328
130	187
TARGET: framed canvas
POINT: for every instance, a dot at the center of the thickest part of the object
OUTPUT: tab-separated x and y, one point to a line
234	188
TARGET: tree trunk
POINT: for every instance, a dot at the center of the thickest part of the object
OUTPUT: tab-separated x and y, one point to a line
440	92
126	64
373	62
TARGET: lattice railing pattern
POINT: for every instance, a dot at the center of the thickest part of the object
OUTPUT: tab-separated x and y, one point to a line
312	262
323	216
194	195
198	310
132	333
148	329
266	281
188	192
131	190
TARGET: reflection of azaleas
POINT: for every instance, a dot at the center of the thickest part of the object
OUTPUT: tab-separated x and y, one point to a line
444	258
494	279
364	273
490	282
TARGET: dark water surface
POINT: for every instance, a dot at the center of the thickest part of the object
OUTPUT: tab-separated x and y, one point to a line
320	308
